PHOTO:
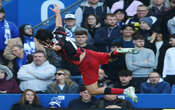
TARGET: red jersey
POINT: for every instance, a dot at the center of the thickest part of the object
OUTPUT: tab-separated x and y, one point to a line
90	65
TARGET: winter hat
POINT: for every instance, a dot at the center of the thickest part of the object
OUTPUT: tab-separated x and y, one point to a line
147	20
6	70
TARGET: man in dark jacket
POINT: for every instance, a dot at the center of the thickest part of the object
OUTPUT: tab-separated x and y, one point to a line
84	101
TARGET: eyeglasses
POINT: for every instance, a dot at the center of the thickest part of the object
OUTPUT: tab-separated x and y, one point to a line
59	74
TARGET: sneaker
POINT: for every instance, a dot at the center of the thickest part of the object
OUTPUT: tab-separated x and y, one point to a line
127	50
130	92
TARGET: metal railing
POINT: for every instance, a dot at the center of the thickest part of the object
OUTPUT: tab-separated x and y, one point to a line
45	22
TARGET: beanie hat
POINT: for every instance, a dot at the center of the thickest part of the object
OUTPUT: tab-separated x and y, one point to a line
2	10
147	20
6	70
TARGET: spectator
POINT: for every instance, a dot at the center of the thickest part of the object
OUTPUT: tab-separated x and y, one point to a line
157	8
20	58
113	102
81	40
166	3
84	101
8	30
29	100
125	80
127	36
159	46
105	35
36	75
91	7
121	16
113	68
7	83
130	6
145	28
142	11
165	17
142	63
155	84
71	27
26	40
92	23
103	80
62	85
169	67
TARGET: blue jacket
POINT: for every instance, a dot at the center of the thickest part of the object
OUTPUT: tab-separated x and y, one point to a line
161	87
13	30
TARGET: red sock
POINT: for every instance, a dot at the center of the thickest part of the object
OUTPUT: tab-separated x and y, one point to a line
117	91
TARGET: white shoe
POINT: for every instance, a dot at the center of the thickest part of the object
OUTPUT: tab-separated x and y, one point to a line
130	92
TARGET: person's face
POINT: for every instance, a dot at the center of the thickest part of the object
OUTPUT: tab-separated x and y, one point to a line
92	20
85	96
2	16
120	16
172	3
93	1
142	11
28	30
111	20
2	75
172	42
39	59
128	31
60	75
81	39
143	25
158	2
101	74
125	79
139	43
159	37
29	96
110	97
70	22
16	51
154	78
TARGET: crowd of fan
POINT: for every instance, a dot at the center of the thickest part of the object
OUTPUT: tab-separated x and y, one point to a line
99	26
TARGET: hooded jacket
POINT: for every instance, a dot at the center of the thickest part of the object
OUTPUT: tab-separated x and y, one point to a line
8	83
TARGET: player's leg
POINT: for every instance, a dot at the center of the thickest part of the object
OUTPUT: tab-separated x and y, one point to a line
94	89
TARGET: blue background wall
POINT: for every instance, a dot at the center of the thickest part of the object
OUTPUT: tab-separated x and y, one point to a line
29	11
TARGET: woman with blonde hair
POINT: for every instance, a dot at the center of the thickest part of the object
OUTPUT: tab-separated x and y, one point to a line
63	83
29	99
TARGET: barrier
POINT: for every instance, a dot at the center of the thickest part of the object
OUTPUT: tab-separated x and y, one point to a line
145	100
